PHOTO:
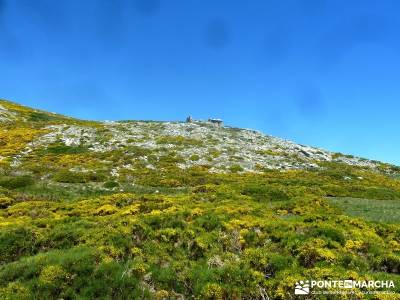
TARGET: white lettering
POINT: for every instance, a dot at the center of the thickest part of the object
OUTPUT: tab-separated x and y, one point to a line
349	284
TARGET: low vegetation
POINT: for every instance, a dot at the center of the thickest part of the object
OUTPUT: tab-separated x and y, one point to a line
75	224
383	211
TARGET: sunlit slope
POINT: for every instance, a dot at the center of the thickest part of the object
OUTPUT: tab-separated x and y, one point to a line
150	144
170	210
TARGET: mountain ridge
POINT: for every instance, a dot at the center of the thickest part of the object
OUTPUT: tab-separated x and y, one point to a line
197	143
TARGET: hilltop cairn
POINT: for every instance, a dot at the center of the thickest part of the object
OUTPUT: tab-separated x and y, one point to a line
216	122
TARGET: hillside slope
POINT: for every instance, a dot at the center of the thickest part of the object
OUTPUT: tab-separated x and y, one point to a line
191	144
170	210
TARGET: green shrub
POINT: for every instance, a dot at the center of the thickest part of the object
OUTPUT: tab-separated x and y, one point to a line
15	290
194	157
111	184
53	276
16	182
388	263
235	168
212	291
268	152
5	202
315	251
63	149
209	221
15	243
279	262
96	176
278	194
262	192
66	176
256	258
40	117
329	233
179	141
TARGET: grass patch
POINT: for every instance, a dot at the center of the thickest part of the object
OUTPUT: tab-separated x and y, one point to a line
385	211
63	149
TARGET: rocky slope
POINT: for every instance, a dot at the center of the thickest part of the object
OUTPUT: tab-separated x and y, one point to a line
221	149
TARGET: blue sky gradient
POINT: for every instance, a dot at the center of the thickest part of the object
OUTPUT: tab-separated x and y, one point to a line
323	73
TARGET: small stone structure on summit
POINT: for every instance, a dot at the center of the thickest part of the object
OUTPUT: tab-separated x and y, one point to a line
217	122
214	121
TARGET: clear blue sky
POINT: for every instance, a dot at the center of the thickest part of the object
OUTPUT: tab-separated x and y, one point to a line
323	73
